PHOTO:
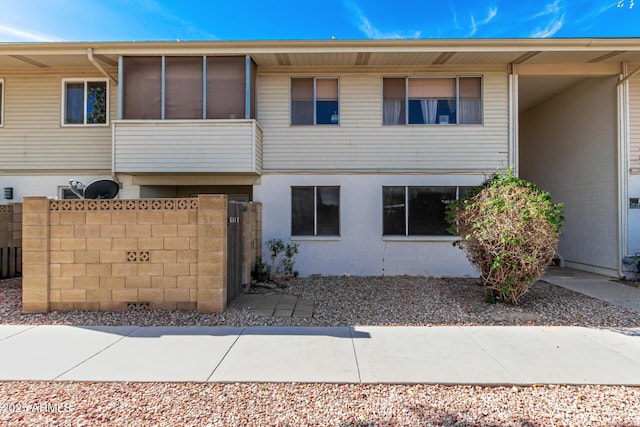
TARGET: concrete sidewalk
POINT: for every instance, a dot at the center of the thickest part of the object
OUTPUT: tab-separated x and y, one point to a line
596	286
444	355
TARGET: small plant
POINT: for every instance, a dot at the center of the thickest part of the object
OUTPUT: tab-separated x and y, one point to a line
509	230
281	262
261	271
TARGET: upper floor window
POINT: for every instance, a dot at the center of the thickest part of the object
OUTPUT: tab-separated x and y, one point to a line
188	87
434	100
314	101
315	211
417	211
85	102
1	102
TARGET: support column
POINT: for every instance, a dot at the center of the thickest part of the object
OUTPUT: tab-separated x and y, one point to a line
35	255
212	253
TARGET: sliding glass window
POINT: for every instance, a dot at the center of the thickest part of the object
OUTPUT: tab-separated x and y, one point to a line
431	101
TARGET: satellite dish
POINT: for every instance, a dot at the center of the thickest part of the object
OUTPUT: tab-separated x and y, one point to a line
76	188
101	189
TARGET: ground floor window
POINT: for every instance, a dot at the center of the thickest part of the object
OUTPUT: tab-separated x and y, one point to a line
315	211
417	211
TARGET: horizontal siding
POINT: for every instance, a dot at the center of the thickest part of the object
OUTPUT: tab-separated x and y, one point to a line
634	124
258	148
360	142
184	147
32	137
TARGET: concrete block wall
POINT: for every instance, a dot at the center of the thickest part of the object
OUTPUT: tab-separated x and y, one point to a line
108	254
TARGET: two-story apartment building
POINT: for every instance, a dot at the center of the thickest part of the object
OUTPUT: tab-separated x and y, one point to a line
354	148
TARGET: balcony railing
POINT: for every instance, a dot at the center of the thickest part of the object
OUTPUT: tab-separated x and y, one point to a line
187	146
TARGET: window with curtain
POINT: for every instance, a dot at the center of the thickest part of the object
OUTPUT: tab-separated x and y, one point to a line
85	102
417	211
315	211
394	101
430	101
470	100
314	101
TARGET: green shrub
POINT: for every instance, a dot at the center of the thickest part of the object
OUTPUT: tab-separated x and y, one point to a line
283	258
261	271
509	229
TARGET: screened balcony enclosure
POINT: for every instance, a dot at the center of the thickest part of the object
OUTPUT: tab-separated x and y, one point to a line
187	114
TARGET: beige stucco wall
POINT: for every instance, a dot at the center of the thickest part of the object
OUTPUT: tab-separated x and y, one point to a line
634	123
568	146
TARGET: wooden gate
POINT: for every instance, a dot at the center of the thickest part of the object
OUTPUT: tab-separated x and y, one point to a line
10	265
234	250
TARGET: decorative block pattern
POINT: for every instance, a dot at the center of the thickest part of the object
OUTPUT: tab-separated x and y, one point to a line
138	256
124	205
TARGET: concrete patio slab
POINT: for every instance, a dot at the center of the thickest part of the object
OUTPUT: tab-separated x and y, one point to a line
276	305
290	354
596	286
47	352
160	354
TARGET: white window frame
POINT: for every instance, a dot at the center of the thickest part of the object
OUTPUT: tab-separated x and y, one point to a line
315	100
63	99
2	91
406	99
406	214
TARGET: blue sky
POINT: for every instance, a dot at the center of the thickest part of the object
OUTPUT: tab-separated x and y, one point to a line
146	20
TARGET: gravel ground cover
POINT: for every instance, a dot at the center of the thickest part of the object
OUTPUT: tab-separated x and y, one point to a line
147	404
349	301
338	301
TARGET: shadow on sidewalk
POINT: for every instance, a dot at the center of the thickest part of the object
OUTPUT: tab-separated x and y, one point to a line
218	331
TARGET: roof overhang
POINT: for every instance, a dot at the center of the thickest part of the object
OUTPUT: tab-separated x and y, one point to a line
335	53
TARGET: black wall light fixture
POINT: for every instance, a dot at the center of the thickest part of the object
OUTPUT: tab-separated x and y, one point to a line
8	193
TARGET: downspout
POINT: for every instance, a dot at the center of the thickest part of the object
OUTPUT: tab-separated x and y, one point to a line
513	120
631	74
98	66
115	81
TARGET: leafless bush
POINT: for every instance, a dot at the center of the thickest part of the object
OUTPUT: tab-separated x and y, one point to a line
509	230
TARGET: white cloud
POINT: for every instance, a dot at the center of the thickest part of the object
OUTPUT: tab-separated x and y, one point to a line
372	32
552	27
17	34
474	27
190	29
549	9
493	11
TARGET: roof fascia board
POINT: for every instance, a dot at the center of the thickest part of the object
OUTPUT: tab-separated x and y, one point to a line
322	46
